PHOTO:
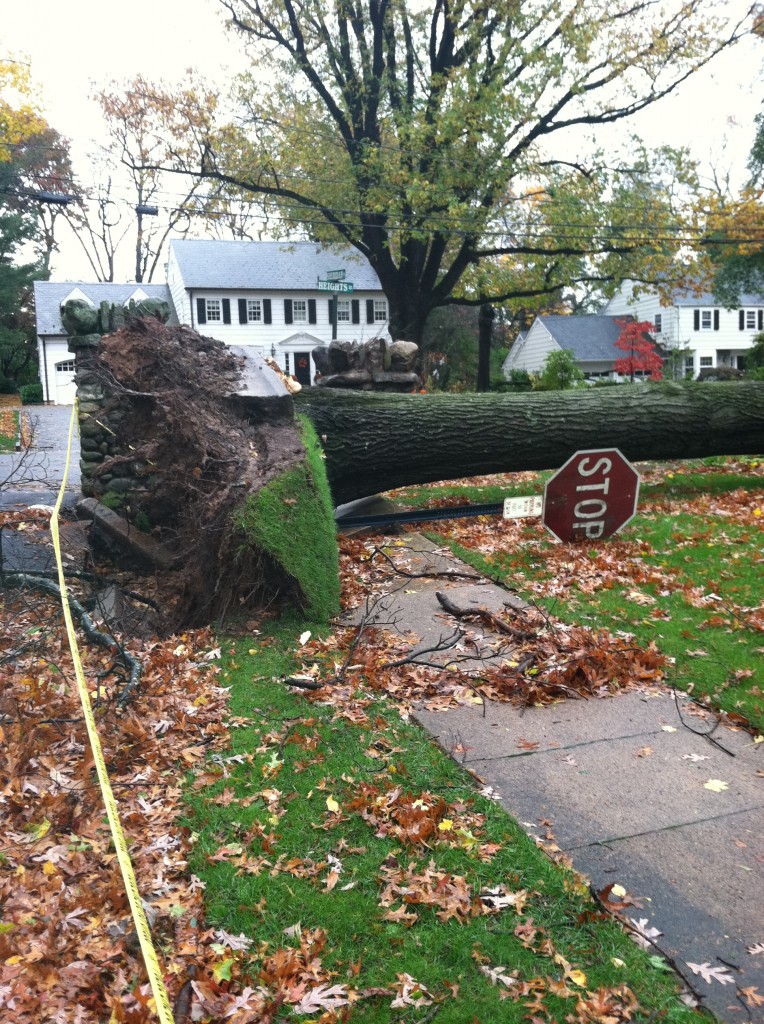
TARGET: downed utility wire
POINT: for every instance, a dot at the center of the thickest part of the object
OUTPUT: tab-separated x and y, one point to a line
133	666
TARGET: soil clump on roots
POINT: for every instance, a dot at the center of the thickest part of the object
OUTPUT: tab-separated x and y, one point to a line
196	456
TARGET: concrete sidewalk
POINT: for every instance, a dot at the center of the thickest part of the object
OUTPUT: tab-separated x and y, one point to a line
619	784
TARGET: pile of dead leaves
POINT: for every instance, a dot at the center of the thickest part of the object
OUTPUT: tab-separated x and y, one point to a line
533	659
67	941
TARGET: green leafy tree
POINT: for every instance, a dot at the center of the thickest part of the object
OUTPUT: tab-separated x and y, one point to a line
27	159
425	135
17	336
754	359
559	372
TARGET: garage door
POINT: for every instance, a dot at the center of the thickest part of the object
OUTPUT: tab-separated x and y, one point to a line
66	390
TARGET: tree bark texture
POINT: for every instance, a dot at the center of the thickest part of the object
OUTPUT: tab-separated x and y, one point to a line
374	442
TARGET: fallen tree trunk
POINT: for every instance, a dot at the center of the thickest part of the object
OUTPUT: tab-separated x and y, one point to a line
375	442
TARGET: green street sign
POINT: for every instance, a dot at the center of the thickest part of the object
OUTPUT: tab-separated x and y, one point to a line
335	275
334	286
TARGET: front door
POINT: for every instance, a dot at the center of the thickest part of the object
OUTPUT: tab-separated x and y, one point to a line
302	368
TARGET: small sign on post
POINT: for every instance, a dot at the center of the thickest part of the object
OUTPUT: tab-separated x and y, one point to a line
523	508
335	275
334	286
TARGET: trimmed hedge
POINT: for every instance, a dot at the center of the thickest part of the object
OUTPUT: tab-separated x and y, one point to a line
30	394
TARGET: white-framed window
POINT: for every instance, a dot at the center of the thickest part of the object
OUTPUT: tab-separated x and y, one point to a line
286	364
214	310
706	361
706	319
300	311
343	311
689	365
658	323
67	366
380	311
254	311
750	319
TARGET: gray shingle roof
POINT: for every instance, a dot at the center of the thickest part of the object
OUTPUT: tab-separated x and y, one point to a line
689	298
275	266
591	338
48	296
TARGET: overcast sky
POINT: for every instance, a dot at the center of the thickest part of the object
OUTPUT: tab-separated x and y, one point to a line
76	45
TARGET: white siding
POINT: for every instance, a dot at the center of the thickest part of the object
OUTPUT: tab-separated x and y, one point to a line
284	337
180	297
723	346
51	352
531	354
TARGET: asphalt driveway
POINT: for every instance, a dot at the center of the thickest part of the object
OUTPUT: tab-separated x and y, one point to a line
39	469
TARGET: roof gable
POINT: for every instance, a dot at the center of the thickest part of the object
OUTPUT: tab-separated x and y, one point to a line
49	295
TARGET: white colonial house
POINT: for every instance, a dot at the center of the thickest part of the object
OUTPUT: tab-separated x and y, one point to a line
56	362
698	331
590	338
266	295
263	295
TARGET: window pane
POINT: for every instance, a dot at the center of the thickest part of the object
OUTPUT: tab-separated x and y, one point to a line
380	310
705	319
343	311
658	323
750	319
213	309
706	360
254	310
300	311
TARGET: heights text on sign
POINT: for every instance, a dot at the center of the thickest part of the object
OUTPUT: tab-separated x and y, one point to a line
334	286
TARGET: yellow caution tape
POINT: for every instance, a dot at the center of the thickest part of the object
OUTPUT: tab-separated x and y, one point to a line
163	1007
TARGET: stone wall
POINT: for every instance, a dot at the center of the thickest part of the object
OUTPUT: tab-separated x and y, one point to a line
99	406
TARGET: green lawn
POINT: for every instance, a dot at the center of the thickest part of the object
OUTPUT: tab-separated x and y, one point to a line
318	817
686	573
9	427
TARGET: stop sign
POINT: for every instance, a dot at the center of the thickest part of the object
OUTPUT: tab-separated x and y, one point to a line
593	495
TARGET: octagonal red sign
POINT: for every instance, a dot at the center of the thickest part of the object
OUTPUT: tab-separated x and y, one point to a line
592	496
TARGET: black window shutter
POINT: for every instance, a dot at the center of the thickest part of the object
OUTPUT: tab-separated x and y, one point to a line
201	311
287	311
311	311
226	311
761	319
267	311
331	310
741	320
716	319
355	307
696	317
370	311
242	311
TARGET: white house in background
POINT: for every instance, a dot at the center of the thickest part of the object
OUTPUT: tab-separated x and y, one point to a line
702	333
591	339
55	360
266	295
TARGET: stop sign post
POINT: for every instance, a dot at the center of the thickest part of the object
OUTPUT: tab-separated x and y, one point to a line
592	496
